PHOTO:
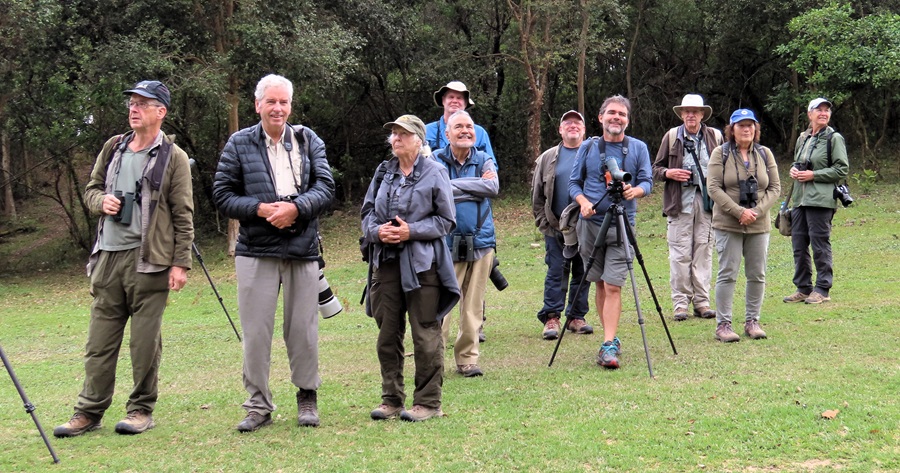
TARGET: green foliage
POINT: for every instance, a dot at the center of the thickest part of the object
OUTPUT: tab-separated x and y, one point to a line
865	180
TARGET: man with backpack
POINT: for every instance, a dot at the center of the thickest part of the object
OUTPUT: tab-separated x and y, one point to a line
141	188
681	165
274	178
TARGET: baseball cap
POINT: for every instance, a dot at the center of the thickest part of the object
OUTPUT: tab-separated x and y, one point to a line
570	113
814	104
152	89
410	123
742	114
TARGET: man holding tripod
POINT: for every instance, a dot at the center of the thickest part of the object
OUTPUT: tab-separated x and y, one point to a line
588	187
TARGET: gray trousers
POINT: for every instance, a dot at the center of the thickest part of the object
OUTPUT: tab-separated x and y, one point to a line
259	283
811	226
754	248
121	293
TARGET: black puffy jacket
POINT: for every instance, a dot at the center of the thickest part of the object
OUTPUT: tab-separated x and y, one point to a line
243	181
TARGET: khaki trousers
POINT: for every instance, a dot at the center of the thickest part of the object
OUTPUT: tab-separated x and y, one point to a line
690	256
472	277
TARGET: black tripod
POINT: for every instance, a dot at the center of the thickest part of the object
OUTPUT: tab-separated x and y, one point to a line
617	212
29	407
200	259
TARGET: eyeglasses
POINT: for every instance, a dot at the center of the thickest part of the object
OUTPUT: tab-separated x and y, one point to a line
140	105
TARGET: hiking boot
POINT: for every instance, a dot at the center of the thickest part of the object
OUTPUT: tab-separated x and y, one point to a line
580	326
724	333
704	312
796	297
254	421
77	425
136	422
606	357
817	298
551	329
307	410
681	314
384	412
469	371
753	330
419	413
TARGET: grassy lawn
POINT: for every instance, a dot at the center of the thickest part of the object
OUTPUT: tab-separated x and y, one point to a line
748	406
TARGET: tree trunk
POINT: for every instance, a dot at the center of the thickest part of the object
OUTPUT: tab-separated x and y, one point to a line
9	202
795	122
582	53
629	60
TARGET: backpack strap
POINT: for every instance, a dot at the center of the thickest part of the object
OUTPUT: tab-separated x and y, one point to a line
163	153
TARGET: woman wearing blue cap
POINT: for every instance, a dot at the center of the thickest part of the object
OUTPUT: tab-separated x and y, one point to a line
743	182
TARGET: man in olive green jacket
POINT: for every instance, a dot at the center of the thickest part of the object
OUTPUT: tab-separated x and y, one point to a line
141	187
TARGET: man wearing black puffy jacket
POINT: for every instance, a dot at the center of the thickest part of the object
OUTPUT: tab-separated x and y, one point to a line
274	178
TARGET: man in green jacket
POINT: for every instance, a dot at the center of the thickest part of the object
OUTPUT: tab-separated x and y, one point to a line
141	188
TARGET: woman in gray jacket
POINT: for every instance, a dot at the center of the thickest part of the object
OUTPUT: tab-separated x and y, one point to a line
407	212
743	182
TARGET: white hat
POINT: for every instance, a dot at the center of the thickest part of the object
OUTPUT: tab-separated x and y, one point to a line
814	103
693	101
455	86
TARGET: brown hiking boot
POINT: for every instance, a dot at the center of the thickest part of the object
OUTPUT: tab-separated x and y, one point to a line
419	413
384	412
680	314
817	298
753	330
704	312
580	326
77	425
796	297
254	421
551	329
469	371
136	422
724	333
307	408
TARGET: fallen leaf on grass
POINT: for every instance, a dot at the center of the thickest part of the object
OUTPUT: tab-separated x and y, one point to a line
830	414
204	406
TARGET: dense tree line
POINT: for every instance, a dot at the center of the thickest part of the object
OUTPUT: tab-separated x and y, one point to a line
357	64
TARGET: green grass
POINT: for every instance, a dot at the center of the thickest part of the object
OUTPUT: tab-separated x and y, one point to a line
749	406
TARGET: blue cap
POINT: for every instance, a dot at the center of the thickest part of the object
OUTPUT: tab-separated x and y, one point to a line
152	89
742	114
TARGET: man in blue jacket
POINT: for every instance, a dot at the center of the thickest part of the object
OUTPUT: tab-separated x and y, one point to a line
454	97
274	179
588	186
473	178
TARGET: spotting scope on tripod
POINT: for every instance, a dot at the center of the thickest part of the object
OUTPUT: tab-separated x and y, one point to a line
615	215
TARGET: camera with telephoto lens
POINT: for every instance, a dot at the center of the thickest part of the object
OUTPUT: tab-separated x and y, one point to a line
749	192
329	305
463	248
496	276
126	209
842	193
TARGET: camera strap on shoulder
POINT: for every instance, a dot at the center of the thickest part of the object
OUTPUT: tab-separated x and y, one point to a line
162	153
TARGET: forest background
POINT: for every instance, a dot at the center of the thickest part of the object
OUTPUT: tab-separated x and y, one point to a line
357	64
